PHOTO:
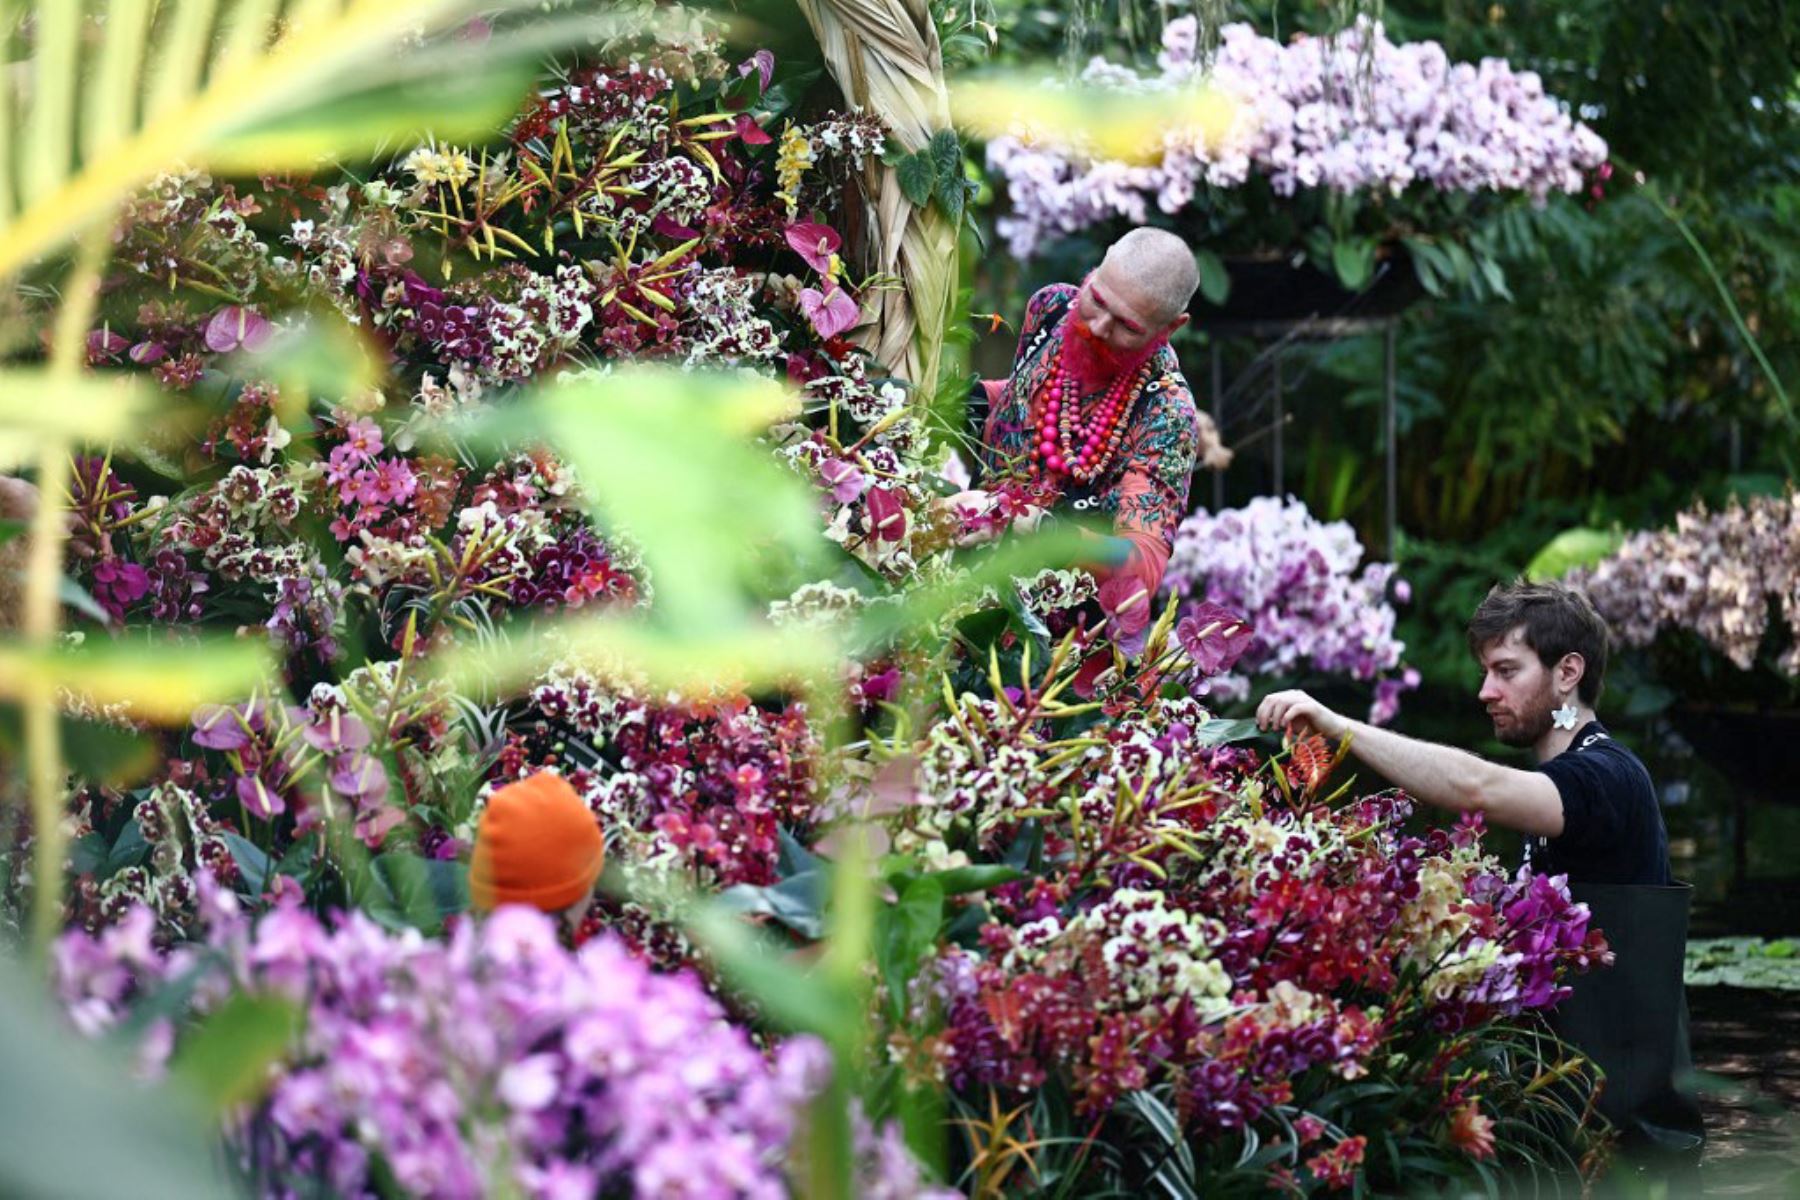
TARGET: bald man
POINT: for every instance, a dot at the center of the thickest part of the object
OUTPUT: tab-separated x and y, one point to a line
1097	411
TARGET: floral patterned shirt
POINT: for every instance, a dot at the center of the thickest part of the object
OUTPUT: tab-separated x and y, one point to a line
1145	487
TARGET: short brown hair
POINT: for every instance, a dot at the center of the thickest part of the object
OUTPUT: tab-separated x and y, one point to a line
1557	620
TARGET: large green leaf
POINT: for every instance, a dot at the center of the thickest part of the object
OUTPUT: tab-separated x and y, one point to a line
225	1062
76	1126
1570	549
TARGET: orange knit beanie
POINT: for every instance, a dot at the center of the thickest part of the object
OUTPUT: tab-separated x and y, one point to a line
538	844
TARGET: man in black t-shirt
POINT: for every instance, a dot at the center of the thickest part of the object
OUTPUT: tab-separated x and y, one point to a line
1588	810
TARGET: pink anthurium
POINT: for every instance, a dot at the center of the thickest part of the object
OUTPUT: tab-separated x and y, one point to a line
815	243
236	327
831	313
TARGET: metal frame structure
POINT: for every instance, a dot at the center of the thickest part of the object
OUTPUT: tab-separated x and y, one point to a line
1280	333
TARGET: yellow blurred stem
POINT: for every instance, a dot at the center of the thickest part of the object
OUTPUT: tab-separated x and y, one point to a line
42	614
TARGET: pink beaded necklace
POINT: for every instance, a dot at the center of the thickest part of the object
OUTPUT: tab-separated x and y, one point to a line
1065	445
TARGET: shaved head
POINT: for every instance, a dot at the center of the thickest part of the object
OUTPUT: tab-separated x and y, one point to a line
1160	267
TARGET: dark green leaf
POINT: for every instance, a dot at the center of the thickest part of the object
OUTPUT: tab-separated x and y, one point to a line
10	529
129	849
798	902
907	931
917	177
81	600
1223	733
1353	260
252	863
1215	280
401	890
976	878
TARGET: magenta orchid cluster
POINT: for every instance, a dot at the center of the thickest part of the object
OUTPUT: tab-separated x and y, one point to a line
1352	113
1296	581
494	1059
704	788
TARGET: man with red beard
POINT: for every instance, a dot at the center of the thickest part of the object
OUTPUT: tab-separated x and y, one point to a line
1096	411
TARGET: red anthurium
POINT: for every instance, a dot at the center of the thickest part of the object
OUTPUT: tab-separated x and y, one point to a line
887	514
751	133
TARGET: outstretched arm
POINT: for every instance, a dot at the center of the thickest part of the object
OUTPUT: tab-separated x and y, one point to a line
1441	776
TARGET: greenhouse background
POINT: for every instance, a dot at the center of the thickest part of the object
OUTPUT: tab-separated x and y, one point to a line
542	653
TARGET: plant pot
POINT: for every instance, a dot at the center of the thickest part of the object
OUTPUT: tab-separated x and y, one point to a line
1275	296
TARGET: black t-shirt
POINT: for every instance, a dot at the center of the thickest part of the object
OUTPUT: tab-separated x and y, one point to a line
1612	829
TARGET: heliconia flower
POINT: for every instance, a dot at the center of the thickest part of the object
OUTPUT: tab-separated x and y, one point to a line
1214	637
236	327
831	313
815	243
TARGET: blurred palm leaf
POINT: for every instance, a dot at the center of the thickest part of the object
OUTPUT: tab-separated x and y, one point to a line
241	84
666	457
1093	122
158	681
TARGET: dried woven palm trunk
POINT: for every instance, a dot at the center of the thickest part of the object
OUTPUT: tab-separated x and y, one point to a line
886	59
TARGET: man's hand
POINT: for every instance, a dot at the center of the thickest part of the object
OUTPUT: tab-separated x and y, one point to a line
1299	715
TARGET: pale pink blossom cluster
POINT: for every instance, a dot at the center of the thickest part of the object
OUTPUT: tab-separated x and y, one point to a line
1716	574
1350	113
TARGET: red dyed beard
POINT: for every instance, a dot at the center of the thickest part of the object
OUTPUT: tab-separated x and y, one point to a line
1094	363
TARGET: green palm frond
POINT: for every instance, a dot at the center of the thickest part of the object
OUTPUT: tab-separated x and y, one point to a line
97	97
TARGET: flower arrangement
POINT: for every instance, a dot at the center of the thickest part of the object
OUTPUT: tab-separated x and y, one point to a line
494	1058
1296	581
1336	145
1189	924
1134	919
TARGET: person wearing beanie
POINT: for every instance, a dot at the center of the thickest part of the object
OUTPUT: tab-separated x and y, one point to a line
538	844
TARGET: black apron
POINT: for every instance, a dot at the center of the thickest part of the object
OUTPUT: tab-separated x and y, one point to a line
1631	1019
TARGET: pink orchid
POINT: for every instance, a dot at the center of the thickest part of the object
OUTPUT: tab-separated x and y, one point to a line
815	243
831	313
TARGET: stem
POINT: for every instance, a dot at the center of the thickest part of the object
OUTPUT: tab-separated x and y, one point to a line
42	614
